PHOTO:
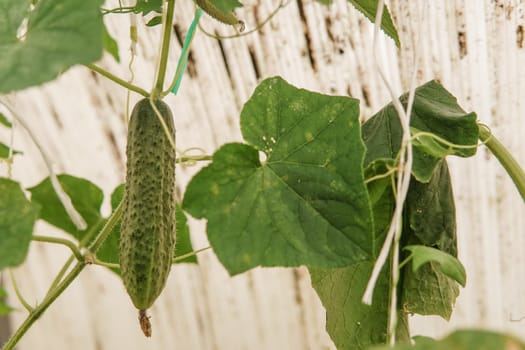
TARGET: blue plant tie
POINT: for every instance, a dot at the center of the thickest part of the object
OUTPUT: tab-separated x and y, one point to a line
183	58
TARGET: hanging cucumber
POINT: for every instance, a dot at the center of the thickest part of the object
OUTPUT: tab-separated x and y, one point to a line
148	220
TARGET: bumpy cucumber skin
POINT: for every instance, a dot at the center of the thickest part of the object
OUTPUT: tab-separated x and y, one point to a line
147	235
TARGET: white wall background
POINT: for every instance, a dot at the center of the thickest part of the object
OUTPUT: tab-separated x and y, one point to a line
475	48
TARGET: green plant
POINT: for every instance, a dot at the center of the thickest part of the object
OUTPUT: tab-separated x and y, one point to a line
147	236
330	194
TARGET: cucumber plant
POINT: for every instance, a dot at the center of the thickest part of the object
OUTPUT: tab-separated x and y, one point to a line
324	197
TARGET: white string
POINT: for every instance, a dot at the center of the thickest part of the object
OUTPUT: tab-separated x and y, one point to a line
403	179
63	197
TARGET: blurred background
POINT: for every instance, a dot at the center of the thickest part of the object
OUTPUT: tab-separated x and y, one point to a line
474	48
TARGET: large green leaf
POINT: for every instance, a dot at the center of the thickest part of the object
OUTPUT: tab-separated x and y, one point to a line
435	111
463	340
307	203
17	218
430	221
369	9
432	212
59	34
351	324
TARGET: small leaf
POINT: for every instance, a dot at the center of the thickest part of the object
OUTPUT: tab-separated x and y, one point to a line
429	144
154	21
111	45
4	121
183	245
369	9
60	34
435	111
463	340
450	266
17	218
307	204
4	308
147	6
109	251
4	151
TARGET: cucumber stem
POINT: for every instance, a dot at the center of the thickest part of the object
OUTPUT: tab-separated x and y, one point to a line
66	242
117	80
166	32
506	159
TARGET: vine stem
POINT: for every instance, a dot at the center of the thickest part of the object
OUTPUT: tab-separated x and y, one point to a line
117	80
190	254
68	279
37	311
167	19
391	244
66	242
506	159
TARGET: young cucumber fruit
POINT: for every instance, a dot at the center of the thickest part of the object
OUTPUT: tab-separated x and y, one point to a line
147	235
227	18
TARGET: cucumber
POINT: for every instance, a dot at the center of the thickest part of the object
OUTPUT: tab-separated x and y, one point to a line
147	235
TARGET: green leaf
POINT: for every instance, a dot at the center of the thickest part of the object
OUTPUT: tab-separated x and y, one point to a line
4	151
4	308
17	218
3	119
436	111
226	6
60	34
432	212
430	220
147	6
463	340
109	251
85	196
325	2
449	265
428	143
307	204
183	244
428	291
369	9
154	21
350	323
111	45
